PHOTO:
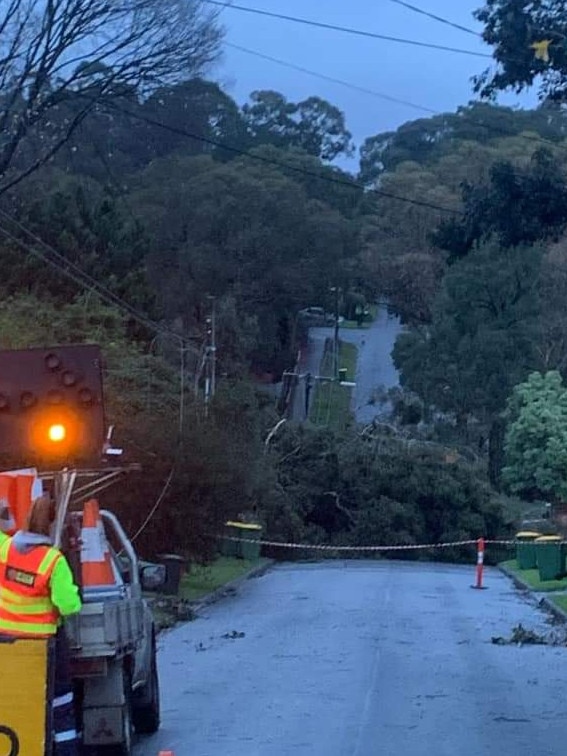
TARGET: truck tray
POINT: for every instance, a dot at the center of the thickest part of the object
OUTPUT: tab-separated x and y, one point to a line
107	628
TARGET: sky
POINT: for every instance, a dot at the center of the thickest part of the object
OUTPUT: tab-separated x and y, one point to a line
431	78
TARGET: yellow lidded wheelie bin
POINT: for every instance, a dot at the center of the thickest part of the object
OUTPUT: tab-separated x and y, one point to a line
550	557
525	549
244	542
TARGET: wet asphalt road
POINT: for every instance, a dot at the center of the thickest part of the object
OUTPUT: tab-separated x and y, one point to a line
362	659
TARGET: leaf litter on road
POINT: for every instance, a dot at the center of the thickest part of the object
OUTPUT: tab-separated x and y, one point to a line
522	636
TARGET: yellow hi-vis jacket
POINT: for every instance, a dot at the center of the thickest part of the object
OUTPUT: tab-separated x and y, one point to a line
36	586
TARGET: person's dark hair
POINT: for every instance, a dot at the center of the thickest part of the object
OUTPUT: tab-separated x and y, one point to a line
41	516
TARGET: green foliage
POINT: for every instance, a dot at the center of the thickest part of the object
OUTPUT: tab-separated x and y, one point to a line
536	441
86	224
49	86
481	160
511	28
481	341
220	472
165	220
374	490
198	107
225	230
312	125
519	206
431	140
202	580
330	405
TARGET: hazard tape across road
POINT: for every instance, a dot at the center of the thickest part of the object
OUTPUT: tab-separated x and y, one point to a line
402	547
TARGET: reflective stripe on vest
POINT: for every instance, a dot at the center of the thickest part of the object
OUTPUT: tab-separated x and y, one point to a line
26	608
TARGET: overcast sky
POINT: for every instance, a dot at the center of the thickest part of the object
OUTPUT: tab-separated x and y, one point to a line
430	78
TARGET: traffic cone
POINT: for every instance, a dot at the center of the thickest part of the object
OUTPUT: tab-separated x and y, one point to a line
8	495
96	565
24	498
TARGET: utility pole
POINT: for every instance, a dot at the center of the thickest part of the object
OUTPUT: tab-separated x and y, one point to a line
337	291
181	390
211	357
213	347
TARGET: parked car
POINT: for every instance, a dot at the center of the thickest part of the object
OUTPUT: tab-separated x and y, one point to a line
316	316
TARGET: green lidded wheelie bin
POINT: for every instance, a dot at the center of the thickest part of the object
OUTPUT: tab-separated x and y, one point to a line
248	546
550	556
525	549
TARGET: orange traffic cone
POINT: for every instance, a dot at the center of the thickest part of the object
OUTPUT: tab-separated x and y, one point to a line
8	496
96	566
24	485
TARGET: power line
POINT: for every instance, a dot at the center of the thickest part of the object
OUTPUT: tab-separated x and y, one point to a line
156	506
355	87
347	30
72	271
442	20
332	79
286	166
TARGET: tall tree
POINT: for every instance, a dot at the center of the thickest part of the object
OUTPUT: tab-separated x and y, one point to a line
199	108
481	341
429	140
314	125
83	51
518	206
246	232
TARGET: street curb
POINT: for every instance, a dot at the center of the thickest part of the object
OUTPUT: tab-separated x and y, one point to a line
190	610
230	588
542	599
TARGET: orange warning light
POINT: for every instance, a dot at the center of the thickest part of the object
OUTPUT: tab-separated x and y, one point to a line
57	433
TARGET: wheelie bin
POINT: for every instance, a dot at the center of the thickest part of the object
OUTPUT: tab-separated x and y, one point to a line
247	546
526	550
550	556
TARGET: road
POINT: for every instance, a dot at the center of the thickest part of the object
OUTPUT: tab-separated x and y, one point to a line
359	659
375	367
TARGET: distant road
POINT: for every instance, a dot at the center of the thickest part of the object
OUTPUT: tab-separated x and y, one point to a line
362	659
375	366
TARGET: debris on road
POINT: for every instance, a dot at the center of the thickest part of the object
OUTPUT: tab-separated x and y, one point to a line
524	637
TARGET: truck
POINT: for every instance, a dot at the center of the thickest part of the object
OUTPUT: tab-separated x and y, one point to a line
112	640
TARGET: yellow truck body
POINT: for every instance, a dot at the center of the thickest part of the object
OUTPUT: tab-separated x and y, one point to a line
25	694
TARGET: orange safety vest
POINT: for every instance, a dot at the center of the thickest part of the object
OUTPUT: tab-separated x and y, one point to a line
26	609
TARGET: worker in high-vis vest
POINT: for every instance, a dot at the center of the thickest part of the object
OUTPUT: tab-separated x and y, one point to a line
37	591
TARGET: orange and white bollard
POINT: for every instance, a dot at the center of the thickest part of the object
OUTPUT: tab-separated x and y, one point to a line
479	563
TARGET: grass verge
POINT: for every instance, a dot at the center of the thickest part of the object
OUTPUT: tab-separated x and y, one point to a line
200	581
531	577
366	323
331	401
196	584
348	357
560	601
